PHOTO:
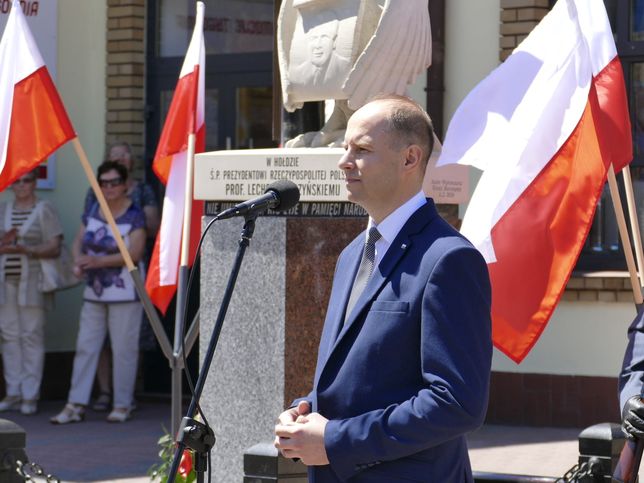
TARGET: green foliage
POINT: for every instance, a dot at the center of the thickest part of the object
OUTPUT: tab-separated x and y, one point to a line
159	471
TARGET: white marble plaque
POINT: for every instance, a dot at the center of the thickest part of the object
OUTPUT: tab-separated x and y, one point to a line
239	175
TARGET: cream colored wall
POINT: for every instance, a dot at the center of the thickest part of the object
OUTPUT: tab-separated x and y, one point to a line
582	338
81	83
471	53
417	90
471	47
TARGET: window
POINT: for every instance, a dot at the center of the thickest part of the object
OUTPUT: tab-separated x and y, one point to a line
230	26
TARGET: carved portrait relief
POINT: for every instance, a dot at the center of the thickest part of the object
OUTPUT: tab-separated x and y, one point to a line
320	54
348	51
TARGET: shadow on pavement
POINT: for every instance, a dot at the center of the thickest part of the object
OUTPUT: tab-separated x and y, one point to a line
94	450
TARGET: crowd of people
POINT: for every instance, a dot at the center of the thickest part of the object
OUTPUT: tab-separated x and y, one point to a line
107	346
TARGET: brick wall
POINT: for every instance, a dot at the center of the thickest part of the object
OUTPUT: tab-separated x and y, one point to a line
518	18
552	400
599	287
125	73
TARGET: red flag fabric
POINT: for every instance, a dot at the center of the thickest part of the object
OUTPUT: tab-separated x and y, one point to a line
544	127
33	121
185	117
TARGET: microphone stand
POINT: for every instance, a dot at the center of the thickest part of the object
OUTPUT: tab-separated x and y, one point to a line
193	434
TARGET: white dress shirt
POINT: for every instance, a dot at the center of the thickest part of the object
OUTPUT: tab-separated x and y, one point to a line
391	226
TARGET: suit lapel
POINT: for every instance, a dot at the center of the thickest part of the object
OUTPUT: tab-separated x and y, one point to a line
354	255
342	283
397	250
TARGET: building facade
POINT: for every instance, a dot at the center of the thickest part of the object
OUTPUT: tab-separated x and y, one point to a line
118	62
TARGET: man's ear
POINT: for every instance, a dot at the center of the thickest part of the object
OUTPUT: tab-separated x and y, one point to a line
413	156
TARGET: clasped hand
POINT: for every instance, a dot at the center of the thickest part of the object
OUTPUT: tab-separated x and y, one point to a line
13	249
87	262
299	433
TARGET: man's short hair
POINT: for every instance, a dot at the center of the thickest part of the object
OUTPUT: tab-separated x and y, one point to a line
409	122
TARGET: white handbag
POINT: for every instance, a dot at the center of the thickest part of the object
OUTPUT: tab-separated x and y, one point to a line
56	273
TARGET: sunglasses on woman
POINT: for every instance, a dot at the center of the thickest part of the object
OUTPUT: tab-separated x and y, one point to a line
24	181
104	183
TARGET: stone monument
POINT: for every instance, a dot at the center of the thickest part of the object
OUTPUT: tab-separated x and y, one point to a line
348	51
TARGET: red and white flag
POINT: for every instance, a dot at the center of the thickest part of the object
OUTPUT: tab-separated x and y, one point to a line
185	117
33	121
544	127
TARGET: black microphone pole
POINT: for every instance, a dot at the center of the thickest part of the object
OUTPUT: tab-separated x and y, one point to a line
192	433
282	194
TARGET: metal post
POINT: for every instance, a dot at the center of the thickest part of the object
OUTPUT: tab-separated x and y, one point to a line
12	448
599	448
177	352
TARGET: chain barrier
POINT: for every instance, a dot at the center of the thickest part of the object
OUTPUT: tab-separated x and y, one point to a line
34	472
587	469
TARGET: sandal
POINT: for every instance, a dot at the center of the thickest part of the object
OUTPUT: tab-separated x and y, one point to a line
9	403
71	413
29	407
103	402
119	415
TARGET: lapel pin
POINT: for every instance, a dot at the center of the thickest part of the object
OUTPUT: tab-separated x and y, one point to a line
403	246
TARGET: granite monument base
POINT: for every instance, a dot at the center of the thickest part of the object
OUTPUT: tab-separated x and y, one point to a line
267	349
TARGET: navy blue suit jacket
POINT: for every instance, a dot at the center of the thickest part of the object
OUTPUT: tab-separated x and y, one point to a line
631	377
407	375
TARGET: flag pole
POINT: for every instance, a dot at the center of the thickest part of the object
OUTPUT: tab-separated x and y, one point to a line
151	313
182	282
635	226
103	204
623	232
631	454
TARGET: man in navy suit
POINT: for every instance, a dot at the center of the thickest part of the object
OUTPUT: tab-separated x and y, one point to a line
404	358
631	380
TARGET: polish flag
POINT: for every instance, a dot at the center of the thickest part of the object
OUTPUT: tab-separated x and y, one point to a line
544	127
33	121
185	117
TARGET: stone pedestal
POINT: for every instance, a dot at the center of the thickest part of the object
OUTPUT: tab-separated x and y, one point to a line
267	350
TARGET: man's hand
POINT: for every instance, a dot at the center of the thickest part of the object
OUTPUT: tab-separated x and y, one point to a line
303	439
292	414
633	418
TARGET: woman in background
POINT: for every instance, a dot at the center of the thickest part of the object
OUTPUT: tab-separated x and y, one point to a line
142	195
30	229
110	304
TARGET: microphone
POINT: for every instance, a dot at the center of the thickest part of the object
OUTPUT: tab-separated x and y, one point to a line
280	195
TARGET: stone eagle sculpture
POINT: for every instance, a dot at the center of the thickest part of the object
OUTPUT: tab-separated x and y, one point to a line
349	51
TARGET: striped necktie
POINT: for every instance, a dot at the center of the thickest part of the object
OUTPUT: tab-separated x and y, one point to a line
365	269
